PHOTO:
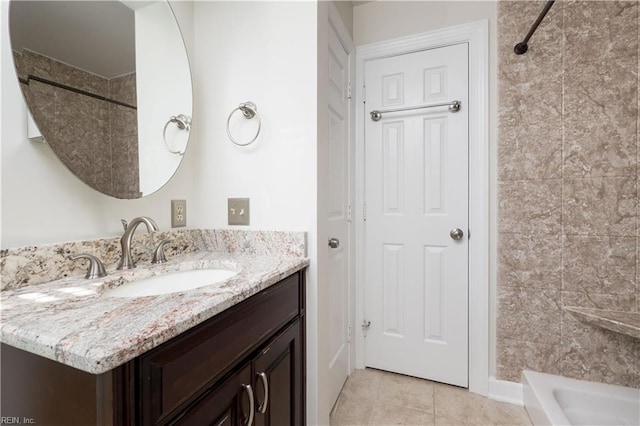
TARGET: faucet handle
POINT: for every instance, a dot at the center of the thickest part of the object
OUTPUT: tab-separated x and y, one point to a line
96	268
158	253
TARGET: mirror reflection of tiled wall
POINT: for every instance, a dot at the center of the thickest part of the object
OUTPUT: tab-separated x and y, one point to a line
91	136
568	196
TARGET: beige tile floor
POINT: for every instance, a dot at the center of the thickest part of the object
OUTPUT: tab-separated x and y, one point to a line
374	397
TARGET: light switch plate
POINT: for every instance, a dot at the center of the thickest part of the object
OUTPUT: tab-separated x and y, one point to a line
178	213
238	211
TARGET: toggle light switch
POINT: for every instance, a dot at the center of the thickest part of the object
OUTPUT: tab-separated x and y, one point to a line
238	211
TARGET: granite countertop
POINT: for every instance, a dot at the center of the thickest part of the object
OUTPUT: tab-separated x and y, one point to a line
621	322
73	322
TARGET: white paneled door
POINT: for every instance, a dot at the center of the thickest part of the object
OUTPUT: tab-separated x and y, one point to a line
338	220
416	229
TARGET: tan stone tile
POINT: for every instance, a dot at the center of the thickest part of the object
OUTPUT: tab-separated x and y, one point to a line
530	152
602	206
594	354
596	30
42	104
445	421
73	127
405	391
385	413
529	314
615	302
638	267
530	207
463	406
602	89
601	265
513	356
351	411
80	79
532	261
102	152
36	64
538	100
123	88
600	114
600	147
124	145
637	364
364	384
19	65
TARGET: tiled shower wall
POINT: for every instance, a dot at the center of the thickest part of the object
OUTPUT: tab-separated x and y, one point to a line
90	136
568	231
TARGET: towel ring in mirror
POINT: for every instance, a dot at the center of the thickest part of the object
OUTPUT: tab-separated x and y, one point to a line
183	122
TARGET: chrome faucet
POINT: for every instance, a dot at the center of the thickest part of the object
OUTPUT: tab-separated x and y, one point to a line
126	261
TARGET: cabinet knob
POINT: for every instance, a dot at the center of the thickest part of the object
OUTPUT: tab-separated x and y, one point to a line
334	242
262	408
249	391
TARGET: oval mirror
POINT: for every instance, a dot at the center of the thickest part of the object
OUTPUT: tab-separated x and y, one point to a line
109	86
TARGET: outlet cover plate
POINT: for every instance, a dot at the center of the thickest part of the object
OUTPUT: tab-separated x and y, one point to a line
178	213
238	211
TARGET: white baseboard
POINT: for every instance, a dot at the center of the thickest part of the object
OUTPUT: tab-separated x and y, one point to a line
501	390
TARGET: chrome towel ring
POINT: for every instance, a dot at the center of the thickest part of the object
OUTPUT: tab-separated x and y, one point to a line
183	122
249	110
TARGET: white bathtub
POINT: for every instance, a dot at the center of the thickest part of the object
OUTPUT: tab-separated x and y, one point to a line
555	400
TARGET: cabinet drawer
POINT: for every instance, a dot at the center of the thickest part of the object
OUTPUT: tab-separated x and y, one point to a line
177	371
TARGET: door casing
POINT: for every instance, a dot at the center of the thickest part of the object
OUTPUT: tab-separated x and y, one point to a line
477	35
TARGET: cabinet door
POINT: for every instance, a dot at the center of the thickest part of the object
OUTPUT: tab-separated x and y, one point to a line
278	380
229	404
176	373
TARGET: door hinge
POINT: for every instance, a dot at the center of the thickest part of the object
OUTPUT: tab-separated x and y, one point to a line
349	213
349	334
349	90
364	94
365	327
364	212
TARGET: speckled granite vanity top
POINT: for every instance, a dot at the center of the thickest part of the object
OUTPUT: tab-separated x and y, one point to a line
71	321
621	322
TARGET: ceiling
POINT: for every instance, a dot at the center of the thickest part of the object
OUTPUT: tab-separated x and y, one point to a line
96	36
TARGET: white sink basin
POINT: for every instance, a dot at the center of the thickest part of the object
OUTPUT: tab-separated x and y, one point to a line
171	282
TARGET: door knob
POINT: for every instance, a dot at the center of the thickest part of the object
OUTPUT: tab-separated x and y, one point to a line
456	234
334	242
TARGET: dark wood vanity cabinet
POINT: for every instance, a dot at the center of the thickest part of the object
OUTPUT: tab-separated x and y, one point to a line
245	364
267	386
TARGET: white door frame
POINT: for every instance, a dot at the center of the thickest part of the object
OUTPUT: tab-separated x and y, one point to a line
476	34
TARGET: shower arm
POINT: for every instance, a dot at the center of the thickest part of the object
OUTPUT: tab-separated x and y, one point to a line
522	47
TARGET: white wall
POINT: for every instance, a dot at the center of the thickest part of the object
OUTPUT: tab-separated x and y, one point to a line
41	201
263	52
345	10
163	90
384	20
